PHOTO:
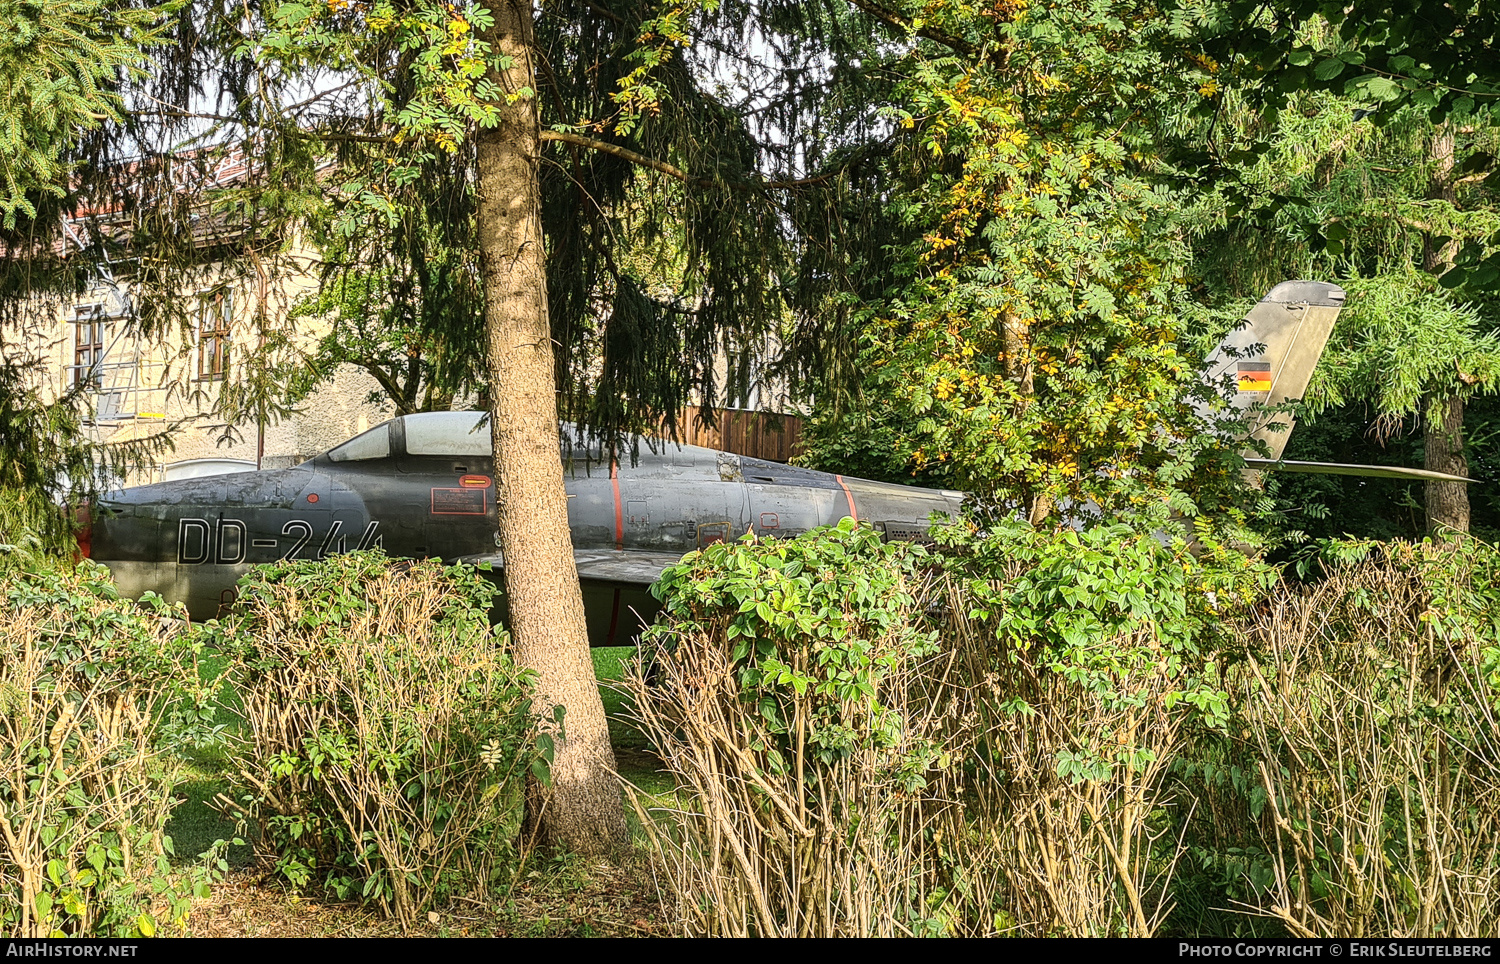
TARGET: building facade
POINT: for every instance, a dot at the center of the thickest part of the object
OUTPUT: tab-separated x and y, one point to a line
172	384
187	380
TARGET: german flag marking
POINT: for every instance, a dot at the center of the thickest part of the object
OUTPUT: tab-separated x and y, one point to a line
1255	376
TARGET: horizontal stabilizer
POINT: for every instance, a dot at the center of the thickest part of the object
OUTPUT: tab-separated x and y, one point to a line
620	566
623	565
1344	468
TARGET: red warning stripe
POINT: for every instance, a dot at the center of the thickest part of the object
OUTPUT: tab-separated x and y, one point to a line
614	481
853	511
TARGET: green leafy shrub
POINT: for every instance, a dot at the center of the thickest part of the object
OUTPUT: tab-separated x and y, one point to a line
1101	654
388	733
1101	604
95	691
814	626
877	444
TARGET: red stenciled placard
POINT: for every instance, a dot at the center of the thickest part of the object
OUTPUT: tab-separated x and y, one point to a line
458	501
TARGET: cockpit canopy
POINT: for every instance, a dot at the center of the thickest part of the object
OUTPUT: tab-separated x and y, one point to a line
441	434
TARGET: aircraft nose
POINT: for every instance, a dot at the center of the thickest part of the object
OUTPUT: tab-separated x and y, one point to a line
83	529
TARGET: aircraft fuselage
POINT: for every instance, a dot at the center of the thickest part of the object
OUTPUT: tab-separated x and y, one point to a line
192	540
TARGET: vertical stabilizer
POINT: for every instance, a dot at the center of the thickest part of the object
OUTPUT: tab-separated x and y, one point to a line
1270	355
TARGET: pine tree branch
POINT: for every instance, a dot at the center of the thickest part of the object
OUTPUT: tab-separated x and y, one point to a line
335	136
624	152
567	137
890	17
388	383
604	13
1414	224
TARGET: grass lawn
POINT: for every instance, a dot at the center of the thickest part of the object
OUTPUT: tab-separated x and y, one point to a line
637	762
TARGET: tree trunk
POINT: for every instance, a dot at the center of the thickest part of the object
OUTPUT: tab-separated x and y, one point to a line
1015	336
1447	502
1443	437
582	809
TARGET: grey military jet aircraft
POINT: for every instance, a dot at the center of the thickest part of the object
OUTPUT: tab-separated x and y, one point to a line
423	485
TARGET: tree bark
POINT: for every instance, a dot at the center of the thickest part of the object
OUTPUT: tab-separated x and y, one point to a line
1443	437
582	809
1447	502
1015	335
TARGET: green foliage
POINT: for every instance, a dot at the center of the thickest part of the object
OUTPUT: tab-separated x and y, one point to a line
1342	196
1439	60
47	460
1101	604
400	273
449	63
60	66
388	732
1394	63
873	444
1033	342
96	694
402	306
1403	345
813	625
1107	648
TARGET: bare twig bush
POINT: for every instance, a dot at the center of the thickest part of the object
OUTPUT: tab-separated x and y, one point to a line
1068	781
967	825
1377	745
788	844
388	732
86	683
850	763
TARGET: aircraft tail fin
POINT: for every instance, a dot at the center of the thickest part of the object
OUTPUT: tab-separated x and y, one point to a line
1272	353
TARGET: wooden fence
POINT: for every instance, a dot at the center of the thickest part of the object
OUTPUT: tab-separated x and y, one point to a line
761	435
